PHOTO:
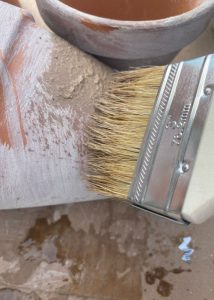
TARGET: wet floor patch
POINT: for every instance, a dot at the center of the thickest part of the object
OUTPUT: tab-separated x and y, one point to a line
99	257
164	288
43	240
94	261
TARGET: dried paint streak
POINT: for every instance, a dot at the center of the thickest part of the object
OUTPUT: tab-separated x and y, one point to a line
4	132
14	68
98	27
10	107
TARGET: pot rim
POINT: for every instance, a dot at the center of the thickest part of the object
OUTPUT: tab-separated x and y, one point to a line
201	9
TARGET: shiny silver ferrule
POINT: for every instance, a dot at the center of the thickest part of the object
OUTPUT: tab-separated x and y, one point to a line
169	149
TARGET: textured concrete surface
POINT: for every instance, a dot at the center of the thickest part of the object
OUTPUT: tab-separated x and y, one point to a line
105	250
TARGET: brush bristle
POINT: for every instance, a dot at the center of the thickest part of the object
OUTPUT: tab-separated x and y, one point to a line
117	127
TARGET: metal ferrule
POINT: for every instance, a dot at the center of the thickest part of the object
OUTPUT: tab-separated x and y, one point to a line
172	139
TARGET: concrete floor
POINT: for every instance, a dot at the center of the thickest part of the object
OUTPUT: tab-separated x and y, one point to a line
104	250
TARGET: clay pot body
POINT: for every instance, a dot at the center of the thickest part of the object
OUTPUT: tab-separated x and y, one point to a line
128	43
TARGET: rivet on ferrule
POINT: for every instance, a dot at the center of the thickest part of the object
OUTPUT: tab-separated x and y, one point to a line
184	167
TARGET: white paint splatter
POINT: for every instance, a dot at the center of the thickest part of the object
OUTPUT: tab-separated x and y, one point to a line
9	266
184	247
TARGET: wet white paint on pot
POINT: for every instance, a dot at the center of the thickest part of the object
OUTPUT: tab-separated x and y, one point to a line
46	97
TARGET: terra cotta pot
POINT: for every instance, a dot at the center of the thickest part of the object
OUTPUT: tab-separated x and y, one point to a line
128	43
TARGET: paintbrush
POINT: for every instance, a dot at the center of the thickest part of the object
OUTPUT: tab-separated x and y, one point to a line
146	141
48	90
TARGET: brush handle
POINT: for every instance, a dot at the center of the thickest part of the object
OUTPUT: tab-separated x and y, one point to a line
47	89
199	202
31	6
